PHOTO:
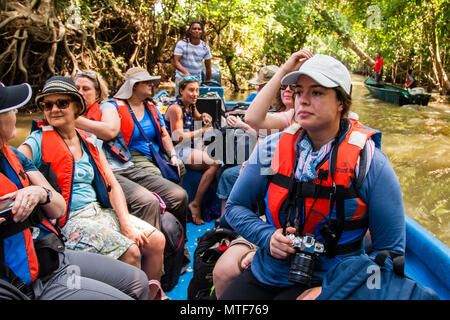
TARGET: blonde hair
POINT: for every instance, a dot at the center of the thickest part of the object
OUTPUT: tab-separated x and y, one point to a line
100	84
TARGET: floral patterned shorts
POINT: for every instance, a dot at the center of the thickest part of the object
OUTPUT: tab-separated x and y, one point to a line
96	229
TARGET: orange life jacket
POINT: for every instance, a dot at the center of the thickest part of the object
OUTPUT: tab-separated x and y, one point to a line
17	251
115	146
127	124
330	197
94	112
56	153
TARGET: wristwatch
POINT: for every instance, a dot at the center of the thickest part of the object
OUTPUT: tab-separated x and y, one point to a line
49	196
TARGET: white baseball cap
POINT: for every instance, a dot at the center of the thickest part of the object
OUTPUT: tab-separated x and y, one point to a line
325	70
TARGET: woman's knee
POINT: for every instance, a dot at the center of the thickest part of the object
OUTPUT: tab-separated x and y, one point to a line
157	241
179	196
132	256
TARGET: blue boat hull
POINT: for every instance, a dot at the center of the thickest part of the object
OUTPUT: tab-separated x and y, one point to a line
427	259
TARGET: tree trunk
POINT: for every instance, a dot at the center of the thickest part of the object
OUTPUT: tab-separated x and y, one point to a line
344	36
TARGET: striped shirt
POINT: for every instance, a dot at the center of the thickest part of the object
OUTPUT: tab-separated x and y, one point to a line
191	57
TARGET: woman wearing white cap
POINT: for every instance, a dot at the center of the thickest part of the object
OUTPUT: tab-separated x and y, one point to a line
28	202
326	183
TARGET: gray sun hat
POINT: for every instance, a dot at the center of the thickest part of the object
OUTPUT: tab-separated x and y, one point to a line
133	76
14	97
62	85
325	70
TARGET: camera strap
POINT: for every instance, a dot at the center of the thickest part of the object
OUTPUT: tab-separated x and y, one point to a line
10	228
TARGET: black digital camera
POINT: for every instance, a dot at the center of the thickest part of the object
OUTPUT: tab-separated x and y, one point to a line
302	262
5	208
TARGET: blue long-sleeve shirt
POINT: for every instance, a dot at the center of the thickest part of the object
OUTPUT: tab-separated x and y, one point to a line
380	191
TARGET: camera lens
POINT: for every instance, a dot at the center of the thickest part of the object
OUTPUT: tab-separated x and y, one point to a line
302	266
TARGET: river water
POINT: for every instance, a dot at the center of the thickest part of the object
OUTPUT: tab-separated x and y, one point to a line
415	138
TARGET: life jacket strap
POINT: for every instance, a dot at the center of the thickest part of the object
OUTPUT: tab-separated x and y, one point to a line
348	247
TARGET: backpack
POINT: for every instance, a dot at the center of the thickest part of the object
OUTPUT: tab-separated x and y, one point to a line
173	251
210	247
364	278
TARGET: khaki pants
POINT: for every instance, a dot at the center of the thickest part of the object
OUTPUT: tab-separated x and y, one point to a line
143	162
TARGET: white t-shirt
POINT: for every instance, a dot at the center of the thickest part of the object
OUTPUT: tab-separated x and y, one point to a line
191	57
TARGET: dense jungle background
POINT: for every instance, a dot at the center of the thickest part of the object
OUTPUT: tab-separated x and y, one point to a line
40	38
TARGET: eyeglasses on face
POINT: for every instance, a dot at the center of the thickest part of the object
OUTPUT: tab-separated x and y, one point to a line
285	86
60	103
190	78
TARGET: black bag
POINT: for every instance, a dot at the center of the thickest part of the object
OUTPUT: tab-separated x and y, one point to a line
210	247
47	251
174	250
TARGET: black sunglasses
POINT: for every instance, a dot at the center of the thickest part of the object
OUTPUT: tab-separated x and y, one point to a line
60	103
285	86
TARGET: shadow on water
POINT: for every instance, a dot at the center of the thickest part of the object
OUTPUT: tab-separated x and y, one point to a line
415	138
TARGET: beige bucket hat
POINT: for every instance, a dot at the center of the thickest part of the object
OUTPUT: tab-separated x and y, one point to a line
133	76
264	75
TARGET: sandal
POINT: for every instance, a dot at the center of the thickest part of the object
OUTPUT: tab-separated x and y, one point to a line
160	295
243	257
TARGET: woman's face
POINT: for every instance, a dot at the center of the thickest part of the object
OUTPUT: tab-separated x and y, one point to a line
287	98
86	87
7	125
316	107
196	30
59	109
189	95
143	89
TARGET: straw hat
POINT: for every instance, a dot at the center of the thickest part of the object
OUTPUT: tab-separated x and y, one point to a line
62	85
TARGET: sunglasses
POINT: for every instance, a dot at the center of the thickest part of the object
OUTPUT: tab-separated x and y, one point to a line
285	86
90	74
190	78
60	103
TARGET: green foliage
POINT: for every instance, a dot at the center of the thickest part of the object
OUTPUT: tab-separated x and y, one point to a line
245	35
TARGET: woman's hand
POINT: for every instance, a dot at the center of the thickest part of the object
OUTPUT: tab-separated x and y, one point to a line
296	60
235	122
174	161
206	119
280	245
134	235
25	200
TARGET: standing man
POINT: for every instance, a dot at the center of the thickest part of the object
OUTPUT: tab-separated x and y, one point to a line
410	81
378	68
189	54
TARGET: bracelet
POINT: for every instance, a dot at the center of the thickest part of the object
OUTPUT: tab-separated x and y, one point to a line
173	155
